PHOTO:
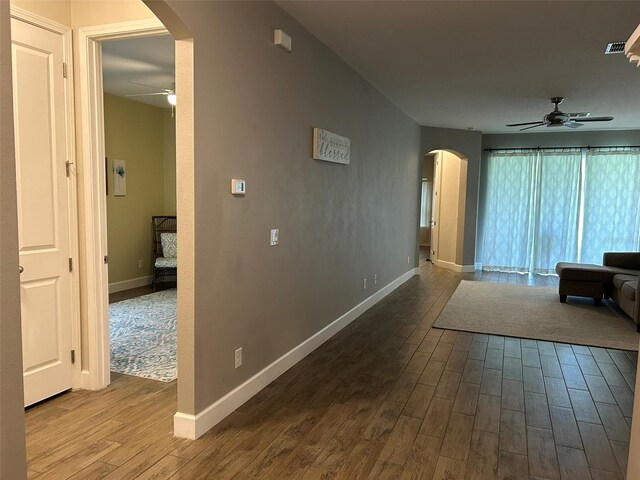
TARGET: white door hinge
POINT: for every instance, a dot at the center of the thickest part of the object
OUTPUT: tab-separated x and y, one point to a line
64	69
67	166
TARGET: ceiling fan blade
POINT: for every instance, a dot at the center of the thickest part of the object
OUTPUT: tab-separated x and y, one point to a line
145	85
593	119
572	124
522	124
146	94
539	124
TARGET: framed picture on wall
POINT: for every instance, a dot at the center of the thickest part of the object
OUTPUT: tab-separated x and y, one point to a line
119	178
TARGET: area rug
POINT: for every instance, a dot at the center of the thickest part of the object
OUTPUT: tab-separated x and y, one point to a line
536	313
143	336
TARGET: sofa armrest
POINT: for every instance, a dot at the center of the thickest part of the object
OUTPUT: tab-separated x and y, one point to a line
636	311
629	260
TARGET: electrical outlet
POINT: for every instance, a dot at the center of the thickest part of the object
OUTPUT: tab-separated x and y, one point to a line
140	263
238	357
364	283
275	234
375	278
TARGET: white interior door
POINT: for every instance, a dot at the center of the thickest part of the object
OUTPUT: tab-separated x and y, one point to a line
435	207
43	214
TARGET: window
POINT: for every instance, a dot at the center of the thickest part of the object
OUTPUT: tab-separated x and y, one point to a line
425	203
572	205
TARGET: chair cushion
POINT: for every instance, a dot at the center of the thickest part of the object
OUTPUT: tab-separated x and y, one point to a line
620	279
629	290
162	262
169	243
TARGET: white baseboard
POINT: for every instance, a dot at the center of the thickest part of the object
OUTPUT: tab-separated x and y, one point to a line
129	284
478	267
455	267
194	426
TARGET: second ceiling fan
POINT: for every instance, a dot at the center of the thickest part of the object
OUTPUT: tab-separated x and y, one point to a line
560	119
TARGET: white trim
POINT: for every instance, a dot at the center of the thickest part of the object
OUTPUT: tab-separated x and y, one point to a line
454	266
131	283
72	191
42	22
478	266
194	426
97	374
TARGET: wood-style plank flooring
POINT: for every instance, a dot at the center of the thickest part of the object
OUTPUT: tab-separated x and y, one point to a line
387	397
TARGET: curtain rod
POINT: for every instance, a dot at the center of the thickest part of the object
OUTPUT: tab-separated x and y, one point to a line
559	148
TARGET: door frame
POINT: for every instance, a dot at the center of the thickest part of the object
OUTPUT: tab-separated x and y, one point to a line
96	375
435	206
72	188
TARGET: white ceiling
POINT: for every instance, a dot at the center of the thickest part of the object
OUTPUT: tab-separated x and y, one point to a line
146	60
483	64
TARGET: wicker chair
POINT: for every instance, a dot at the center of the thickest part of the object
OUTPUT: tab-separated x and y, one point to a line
165	268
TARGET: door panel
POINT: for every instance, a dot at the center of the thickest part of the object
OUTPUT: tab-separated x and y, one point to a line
43	218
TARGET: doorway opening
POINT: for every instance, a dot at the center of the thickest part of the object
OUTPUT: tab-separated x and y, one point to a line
426	207
442	208
139	132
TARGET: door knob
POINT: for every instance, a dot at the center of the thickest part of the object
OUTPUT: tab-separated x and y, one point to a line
21	269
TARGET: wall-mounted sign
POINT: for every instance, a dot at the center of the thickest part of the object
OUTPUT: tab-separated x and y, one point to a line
331	147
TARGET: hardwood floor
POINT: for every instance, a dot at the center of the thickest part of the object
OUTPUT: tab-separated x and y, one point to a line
387	397
131	293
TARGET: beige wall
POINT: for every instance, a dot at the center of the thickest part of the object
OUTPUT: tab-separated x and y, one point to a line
12	443
255	107
58	11
169	160
448	207
134	132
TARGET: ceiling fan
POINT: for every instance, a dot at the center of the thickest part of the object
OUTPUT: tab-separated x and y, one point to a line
170	93
559	119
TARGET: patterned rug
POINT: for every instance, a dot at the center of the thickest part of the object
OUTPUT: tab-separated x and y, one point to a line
536	312
143	336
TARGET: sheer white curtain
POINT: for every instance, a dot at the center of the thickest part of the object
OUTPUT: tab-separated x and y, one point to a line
556	213
611	204
425	203
508	225
546	207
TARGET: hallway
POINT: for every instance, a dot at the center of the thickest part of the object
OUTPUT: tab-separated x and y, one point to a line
387	397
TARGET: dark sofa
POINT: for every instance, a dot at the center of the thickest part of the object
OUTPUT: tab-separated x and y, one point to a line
616	278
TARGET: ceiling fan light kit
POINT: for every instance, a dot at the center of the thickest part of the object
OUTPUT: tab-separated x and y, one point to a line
560	119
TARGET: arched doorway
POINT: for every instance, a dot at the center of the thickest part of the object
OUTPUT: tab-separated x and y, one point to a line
444	179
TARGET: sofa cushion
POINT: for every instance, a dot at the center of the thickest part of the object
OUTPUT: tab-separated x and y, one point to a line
629	290
585	272
620	279
624	271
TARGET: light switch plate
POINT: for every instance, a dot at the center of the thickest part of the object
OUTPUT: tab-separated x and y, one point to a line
275	233
237	186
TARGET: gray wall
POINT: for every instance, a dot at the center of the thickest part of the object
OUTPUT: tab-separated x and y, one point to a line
469	144
12	443
552	139
254	110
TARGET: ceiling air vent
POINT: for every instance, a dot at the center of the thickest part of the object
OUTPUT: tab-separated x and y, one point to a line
615	47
